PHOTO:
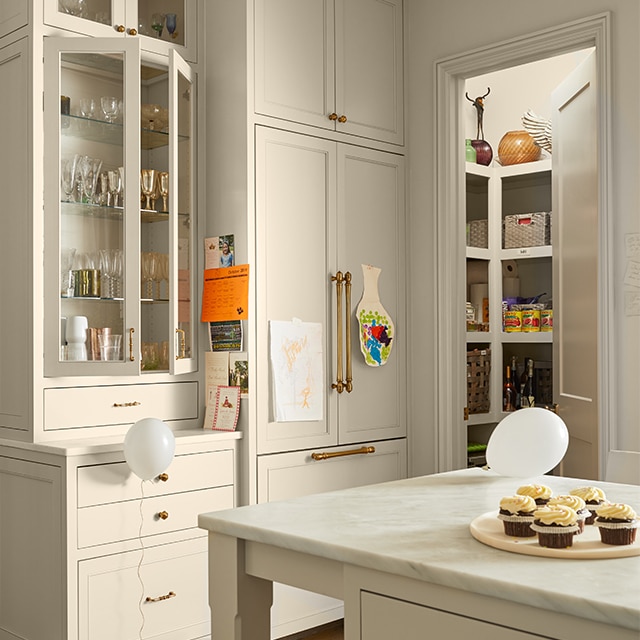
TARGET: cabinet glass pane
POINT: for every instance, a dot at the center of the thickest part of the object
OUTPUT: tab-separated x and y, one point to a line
186	223
93	10
162	19
91	211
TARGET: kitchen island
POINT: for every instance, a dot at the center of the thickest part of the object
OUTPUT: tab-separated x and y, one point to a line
402	558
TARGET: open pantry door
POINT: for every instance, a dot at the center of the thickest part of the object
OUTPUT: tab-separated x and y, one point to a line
575	266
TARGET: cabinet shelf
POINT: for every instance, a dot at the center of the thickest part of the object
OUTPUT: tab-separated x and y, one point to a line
524	337
111	132
110	213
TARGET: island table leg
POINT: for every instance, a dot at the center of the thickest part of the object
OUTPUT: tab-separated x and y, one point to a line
240	603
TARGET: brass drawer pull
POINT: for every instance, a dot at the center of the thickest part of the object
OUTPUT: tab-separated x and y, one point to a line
171	594
338	454
342	119
127	404
333	116
163	515
163	476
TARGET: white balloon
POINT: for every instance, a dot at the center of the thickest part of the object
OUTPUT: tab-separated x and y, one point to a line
149	447
529	442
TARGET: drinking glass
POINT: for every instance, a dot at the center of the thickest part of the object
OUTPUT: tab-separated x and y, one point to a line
150	358
66	263
106	269
163	186
114	186
157	23
87	107
110	346
109	106
118	268
68	176
148	184
89	170
149	271
104	198
171	21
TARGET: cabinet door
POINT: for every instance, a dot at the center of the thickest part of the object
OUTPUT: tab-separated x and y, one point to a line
370	231
294	60
369	69
295	258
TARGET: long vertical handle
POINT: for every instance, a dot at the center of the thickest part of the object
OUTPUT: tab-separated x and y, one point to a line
338	385
347	322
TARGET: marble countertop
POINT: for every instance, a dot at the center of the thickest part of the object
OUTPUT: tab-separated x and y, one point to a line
419	528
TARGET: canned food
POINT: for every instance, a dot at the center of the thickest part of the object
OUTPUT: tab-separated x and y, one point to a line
546	320
512	321
531	320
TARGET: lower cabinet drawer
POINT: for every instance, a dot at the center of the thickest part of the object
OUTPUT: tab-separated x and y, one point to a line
112	593
76	407
119	521
290	475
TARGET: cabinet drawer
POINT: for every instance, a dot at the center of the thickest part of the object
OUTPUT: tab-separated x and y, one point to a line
76	407
104	483
121	521
109	591
290	475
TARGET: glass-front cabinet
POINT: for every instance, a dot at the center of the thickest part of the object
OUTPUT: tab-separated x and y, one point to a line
119	210
159	22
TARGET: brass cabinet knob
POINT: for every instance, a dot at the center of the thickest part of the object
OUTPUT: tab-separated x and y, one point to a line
133	32
163	515
163	476
342	119
120	28
333	116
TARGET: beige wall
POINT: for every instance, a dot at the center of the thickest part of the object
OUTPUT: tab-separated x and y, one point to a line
437	30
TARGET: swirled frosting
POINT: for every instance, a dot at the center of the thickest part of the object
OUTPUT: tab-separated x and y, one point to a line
575	502
558	515
616	511
518	504
589	494
536	491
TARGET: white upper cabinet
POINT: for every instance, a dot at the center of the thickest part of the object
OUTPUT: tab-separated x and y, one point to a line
162	24
334	64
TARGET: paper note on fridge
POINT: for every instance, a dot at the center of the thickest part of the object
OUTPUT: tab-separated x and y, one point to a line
298	377
226	294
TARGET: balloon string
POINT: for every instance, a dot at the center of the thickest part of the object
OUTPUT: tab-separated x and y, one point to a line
141	560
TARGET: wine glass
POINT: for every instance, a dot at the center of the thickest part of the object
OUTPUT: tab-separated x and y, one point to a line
163	269
148	184
157	23
114	186
117	266
89	170
171	22
109	106
105	262
163	186
105	197
68	176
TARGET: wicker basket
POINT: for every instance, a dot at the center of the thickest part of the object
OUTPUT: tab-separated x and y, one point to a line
478	370
527	230
478	234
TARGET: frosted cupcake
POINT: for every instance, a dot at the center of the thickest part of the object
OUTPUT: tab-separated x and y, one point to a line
593	497
555	526
577	504
617	523
516	513
538	492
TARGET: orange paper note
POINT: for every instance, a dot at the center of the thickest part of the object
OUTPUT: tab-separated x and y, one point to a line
226	294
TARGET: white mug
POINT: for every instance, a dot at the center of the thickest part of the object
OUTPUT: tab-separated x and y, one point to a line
76	334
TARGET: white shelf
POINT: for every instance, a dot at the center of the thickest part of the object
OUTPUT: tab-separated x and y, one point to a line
525	337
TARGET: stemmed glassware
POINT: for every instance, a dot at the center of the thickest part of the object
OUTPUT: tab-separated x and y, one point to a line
105	262
163	187
89	171
149	270
148	184
171	22
163	271
157	23
68	176
115	186
109	106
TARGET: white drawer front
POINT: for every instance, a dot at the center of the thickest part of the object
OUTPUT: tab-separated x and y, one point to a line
290	475
77	407
120	521
109	591
104	483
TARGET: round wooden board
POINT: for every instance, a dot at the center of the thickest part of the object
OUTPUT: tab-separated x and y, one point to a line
586	546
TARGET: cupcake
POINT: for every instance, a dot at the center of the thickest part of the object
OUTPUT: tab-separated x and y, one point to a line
577	504
538	492
516	513
555	526
593	497
617	523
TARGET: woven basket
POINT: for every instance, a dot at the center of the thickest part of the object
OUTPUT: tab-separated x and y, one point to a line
526	230
478	234
478	370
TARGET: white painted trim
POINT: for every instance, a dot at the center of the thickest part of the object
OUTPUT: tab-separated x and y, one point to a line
450	74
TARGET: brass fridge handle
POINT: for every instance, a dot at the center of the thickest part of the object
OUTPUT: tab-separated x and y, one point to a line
183	345
338	454
347	324
338	385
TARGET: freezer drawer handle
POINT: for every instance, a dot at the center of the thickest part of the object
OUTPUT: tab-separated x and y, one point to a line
338	454
341	385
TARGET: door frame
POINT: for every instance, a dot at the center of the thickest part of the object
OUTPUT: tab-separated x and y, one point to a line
450	76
